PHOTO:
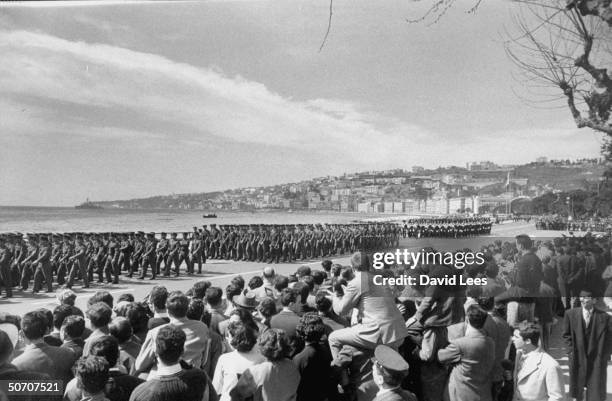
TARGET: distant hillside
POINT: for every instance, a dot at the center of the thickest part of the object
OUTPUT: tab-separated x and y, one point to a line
345	192
564	178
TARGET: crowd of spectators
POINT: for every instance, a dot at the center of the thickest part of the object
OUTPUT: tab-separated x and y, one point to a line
578	225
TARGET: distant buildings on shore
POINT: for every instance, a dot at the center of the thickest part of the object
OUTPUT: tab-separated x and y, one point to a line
478	188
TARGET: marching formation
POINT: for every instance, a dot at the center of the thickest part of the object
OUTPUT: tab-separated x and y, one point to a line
104	256
446	227
42	258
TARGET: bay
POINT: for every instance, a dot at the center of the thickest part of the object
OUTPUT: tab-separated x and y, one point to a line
55	219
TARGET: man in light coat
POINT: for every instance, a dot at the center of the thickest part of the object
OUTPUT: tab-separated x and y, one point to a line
381	323
196	341
472	358
537	376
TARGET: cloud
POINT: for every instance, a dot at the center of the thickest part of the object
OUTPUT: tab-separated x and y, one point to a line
150	86
147	96
86	3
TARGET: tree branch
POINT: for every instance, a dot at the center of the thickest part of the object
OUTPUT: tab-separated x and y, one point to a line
581	122
331	6
600	75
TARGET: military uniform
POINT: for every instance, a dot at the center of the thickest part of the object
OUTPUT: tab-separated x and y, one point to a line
197	249
6	280
148	257
79	265
139	247
173	255
162	253
389	363
111	266
42	266
26	269
125	249
183	254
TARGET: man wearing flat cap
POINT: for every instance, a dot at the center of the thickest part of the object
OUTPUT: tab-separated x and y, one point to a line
388	371
587	332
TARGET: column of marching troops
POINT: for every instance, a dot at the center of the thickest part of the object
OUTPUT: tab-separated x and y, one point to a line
104	256
446	227
84	256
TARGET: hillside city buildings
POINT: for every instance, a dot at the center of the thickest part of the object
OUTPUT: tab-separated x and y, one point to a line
480	187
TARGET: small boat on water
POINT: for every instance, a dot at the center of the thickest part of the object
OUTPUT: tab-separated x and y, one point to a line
209	216
88	205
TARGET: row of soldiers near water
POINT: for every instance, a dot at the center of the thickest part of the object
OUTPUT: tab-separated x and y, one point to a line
451	227
87	256
288	243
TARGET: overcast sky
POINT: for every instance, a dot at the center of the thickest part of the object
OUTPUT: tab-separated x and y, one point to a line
132	100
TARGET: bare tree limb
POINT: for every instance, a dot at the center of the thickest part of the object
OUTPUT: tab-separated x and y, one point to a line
331	9
555	48
473	9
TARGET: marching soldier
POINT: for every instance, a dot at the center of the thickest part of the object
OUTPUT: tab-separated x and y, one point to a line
275	247
252	246
99	258
126	249
42	264
162	253
197	249
92	252
63	263
205	242
213	250
6	279
139	247
184	254
286	247
56	253
173	255
19	254
111	268
241	244
79	264
148	257
26	270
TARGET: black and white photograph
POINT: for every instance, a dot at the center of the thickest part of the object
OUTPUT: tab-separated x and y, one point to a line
306	200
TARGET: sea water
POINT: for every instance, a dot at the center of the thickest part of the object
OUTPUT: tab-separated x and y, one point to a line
52	219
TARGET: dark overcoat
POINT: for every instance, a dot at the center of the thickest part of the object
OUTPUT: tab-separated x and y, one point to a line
588	357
